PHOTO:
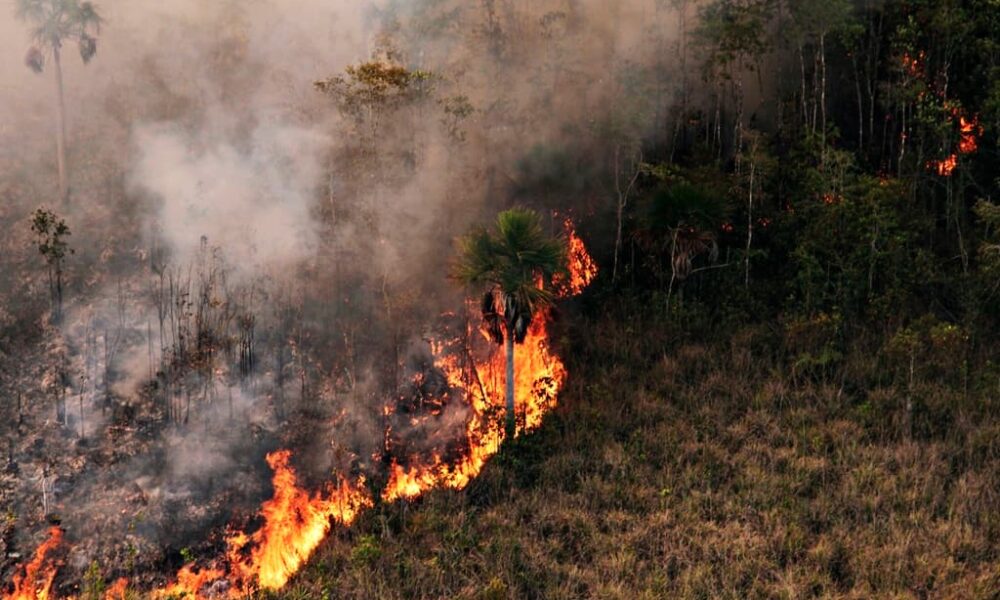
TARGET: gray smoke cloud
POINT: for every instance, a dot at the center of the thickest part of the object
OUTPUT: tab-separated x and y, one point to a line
199	121
255	203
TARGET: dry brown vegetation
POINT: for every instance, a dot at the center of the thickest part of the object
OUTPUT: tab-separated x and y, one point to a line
677	469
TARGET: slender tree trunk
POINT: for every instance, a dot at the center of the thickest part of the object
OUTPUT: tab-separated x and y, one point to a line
45	491
511	424
623	196
59	291
619	214
802	71
909	397
737	89
673	264
822	87
746	280
718	118
60	126
814	118
861	106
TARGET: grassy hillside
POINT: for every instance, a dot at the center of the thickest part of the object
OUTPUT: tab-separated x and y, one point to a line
679	468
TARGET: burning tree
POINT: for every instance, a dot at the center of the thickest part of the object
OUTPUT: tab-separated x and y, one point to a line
515	260
53	23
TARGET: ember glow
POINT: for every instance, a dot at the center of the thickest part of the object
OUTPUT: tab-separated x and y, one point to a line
35	580
913	65
968	143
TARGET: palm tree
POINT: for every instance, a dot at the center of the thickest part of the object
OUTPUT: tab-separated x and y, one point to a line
54	23
515	260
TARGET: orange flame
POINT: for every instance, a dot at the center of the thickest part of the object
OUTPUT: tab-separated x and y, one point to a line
945	167
117	590
538	377
294	525
582	268
190	581
970	130
35	582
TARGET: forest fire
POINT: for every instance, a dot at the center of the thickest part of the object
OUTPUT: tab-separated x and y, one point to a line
35	582
539	375
295	521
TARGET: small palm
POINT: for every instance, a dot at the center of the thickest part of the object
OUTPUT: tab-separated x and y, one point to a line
514	260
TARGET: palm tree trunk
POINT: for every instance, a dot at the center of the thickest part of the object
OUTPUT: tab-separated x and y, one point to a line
511	425
60	127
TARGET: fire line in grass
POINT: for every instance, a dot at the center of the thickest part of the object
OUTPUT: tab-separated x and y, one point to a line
295	521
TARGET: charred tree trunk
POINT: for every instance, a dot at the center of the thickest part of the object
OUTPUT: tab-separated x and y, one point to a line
246	346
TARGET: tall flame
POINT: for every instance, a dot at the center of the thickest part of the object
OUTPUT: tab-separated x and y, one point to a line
294	524
582	268
35	581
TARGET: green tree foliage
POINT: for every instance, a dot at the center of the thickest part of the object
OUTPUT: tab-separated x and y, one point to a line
369	90
51	232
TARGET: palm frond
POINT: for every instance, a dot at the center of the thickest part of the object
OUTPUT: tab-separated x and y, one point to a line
518	259
477	262
54	22
30	10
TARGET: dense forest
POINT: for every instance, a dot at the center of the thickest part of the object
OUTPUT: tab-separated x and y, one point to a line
500	299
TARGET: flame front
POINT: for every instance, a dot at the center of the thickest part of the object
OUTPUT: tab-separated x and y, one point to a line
295	523
538	377
35	581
